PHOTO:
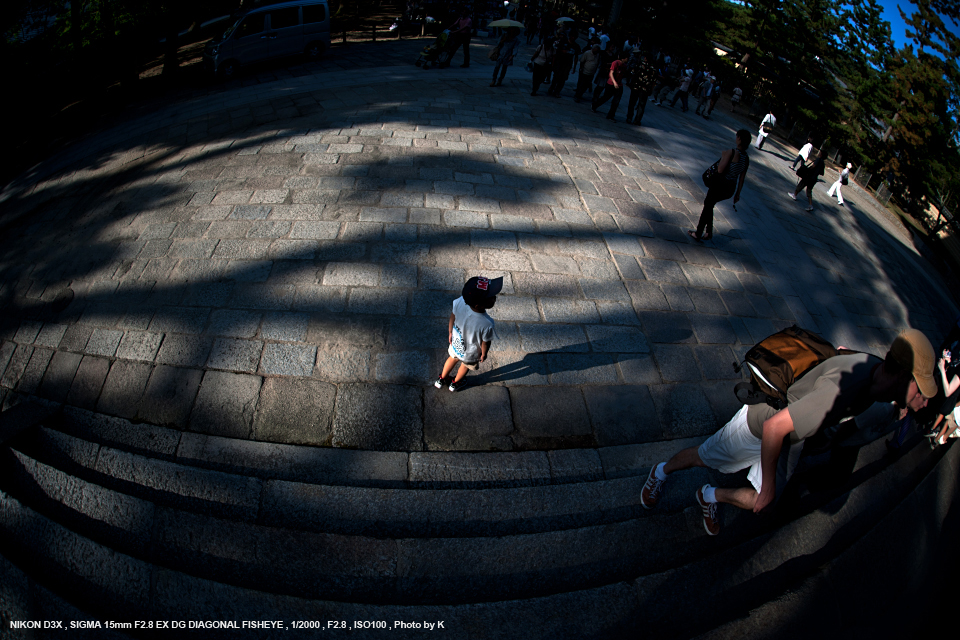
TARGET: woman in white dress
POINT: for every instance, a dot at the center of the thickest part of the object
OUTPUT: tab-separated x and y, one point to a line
842	180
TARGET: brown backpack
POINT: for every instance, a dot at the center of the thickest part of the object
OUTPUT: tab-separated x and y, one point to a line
777	362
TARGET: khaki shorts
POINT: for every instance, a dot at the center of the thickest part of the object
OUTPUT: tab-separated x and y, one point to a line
473	366
735	447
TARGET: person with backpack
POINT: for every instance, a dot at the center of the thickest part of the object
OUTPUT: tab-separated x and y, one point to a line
841	180
809	174
768	441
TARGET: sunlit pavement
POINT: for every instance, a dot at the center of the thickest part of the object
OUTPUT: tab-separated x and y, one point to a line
275	259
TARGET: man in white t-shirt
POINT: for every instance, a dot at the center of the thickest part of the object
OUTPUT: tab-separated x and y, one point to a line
766	126
804	153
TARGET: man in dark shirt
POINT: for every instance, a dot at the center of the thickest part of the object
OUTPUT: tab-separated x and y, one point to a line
564	59
641	79
840	387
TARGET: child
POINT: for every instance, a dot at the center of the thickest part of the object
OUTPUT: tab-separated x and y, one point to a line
470	329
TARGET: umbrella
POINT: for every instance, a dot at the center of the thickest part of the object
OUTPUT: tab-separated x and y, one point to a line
505	24
564	19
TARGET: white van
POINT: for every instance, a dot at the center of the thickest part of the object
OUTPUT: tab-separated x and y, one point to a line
273	31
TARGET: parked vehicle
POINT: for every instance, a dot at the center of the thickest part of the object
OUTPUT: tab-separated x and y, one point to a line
274	31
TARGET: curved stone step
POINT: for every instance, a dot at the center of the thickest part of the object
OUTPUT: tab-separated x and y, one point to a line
349	510
676	603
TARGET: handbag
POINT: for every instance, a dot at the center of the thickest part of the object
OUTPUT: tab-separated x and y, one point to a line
711	175
495	52
843	179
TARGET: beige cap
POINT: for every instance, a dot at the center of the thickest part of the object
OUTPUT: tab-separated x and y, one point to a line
913	351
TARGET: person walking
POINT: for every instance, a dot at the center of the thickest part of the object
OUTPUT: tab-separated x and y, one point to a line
706	87
803	154
683	91
714	98
842	180
727	182
768	442
564	61
809	173
735	99
641	78
509	46
766	127
542	59
469	330
461	31
614	87
589	62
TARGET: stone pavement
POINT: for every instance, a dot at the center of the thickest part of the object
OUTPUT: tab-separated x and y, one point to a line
275	259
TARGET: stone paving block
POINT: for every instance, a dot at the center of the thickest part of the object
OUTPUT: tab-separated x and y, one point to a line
603	289
677	363
706	301
139	345
616	339
712	329
759	328
639	368
225	404
526	210
477	419
569	311
662	249
677	297
512	223
169	396
6	353
404	253
264	296
233	324
637	459
550	416
617	313
59	376
33	372
16	366
699	276
50	335
88	381
623	414
235	355
578	369
722	399
540	338
288	360
506	260
666	326
510	308
762	305
597	269
378	417
315	298
624	244
377	301
752	283
250	211
629	267
647	295
183	351
716	362
351	274
554	264
28	332
442	278
684	410
189	320
737	303
699	256
295	411
411	367
728	280
344	364
209	294
287	327
512	368
123	388
743	334
103	342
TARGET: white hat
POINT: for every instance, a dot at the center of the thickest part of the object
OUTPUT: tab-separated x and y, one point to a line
849	166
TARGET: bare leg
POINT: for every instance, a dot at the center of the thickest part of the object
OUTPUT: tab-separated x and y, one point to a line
461	372
685	459
448	366
744	497
943	432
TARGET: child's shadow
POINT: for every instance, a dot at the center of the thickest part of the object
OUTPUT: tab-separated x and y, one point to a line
573	364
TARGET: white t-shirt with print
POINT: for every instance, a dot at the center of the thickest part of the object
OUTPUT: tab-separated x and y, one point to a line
474	327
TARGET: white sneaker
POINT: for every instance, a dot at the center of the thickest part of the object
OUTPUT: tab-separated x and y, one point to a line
792	194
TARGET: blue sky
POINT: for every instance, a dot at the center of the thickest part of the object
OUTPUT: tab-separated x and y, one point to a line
897	27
